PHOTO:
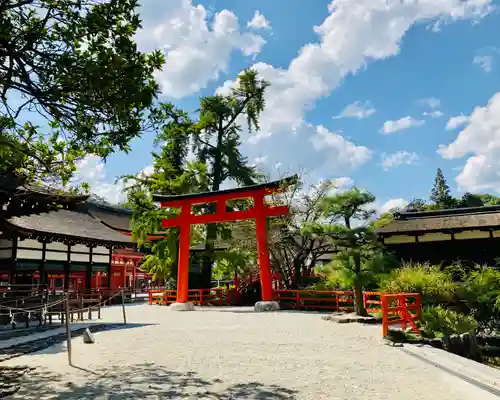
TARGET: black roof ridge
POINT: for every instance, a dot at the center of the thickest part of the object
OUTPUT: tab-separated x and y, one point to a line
450	212
291	180
109	207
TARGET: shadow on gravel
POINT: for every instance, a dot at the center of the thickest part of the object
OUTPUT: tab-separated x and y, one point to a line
250	310
140	382
17	350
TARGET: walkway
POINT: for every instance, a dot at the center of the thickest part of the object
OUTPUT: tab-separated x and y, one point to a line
236	354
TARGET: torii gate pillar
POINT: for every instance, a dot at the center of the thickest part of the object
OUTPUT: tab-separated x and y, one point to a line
260	212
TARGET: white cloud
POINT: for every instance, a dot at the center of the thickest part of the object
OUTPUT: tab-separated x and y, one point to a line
485	62
348	40
197	48
430	102
343	183
259	21
91	169
486	58
343	154
259	161
433	114
480	139
398	158
433	104
392	204
455	122
358	109
400	124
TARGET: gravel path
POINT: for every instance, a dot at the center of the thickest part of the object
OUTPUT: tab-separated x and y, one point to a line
235	354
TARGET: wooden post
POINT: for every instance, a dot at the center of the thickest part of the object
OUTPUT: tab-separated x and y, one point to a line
68	330
80	313
123	308
385	314
266	279
99	307
183	261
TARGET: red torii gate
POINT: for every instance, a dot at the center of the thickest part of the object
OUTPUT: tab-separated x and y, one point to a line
260	211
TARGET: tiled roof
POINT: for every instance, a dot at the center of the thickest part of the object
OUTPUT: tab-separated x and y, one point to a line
68	224
477	218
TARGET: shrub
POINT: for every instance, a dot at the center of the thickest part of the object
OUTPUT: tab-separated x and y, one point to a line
439	321
434	285
480	294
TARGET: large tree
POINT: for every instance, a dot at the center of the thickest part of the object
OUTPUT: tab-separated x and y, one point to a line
217	144
293	252
73	63
440	194
214	139
172	174
354	244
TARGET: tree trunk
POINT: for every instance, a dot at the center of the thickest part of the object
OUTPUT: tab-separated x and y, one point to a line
211	237
359	307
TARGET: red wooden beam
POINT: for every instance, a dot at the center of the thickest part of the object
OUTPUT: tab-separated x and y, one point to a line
177	201
252	213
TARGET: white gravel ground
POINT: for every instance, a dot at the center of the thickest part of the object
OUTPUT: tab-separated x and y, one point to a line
234	353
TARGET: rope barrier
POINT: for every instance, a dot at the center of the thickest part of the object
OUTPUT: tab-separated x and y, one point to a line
44	307
21	299
101	304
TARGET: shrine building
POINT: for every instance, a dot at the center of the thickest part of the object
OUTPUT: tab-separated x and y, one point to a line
467	235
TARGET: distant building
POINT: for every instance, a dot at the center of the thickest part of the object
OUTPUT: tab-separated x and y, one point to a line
469	235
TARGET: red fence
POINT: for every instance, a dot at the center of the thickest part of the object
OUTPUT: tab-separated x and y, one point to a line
394	308
401	309
216	296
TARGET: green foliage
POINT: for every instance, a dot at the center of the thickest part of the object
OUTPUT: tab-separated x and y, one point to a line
233	261
438	321
354	244
440	194
76	65
435	286
481	294
337	276
417	205
215	141
383	220
470	200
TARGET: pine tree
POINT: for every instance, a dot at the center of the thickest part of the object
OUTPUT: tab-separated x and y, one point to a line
440	194
217	144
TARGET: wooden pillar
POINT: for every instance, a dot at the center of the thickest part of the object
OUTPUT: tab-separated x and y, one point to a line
108	272
43	275
133	274
183	261
88	271
67	268
266	280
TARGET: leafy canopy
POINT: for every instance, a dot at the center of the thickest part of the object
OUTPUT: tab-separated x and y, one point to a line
75	64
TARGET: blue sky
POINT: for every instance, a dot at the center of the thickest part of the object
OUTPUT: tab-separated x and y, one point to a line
411	67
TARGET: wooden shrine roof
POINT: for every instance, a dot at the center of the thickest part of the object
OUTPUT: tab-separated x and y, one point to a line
40	191
487	217
291	180
119	219
65	224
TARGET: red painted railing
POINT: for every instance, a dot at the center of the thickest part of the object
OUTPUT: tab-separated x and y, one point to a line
401	309
394	308
315	299
215	296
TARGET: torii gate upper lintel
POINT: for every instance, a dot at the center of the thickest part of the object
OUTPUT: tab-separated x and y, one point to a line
260	211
